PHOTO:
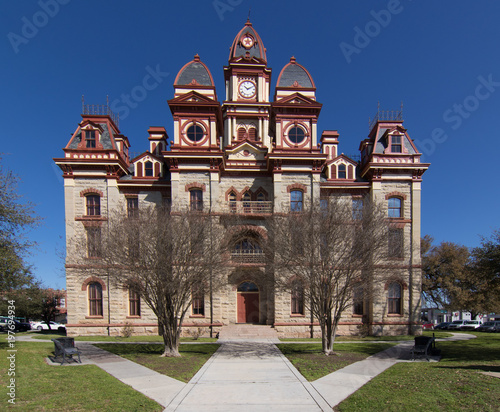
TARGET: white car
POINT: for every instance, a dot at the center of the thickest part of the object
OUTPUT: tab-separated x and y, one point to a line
53	326
456	324
470	325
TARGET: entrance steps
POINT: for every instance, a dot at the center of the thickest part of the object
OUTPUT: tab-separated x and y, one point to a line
248	332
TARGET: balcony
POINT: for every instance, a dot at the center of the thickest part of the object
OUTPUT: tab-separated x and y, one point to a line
249	207
247	256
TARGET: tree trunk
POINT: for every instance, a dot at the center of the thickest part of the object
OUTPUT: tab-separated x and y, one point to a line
171	335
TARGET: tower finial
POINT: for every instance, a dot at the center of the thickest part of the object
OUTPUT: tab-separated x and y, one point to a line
249	10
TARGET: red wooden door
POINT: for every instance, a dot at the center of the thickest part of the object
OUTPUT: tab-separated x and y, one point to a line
248	307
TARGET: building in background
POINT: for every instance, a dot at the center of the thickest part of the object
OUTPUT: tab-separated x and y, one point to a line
252	155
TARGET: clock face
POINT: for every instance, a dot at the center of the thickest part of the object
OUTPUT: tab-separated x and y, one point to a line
247	89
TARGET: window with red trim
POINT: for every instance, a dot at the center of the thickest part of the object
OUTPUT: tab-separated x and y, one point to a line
134	302
95	299
90	139
93	204
196	200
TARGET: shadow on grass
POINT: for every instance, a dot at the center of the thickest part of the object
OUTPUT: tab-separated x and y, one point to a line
153	348
484	368
365	348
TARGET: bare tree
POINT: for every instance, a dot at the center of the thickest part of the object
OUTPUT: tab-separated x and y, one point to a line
165	257
330	250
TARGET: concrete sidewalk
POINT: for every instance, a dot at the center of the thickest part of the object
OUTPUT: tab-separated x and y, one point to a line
248	376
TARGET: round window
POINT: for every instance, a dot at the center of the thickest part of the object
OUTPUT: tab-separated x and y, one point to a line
195	133
296	135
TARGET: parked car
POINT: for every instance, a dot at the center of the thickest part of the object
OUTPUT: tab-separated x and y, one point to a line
470	325
442	325
456	324
491	326
53	326
18	326
428	326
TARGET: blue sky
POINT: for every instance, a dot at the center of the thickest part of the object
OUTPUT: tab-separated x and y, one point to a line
440	58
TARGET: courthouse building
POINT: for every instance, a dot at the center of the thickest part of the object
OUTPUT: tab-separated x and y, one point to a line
254	154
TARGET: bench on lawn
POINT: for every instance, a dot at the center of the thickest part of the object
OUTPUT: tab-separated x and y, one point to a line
422	347
65	347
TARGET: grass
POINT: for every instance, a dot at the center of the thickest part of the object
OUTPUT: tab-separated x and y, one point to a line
42	387
313	364
453	384
146	338
193	357
437	334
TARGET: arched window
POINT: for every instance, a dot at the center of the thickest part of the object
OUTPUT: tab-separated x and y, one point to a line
148	166
195	133
134	302
196	200
232	202
297	298
296	200
394	207
296	134
247	206
242	133
342	173
394	298
93	204
252	134
248	287
95	299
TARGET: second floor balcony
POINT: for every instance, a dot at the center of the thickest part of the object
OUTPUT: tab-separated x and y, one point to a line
249	207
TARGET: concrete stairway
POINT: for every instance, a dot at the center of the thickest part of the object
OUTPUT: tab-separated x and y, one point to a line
242	332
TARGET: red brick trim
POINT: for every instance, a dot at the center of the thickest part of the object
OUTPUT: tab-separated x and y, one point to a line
196	185
240	228
91	191
93	279
296	186
397	280
395	194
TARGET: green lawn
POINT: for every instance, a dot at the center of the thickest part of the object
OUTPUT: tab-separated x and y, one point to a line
437	334
453	384
40	387
146	338
313	364
193	357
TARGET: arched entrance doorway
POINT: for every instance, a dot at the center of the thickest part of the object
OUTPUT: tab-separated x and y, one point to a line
248	303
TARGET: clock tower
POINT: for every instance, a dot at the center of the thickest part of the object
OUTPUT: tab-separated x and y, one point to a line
246	109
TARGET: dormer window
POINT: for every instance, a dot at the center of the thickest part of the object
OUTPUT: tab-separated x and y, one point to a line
342	172
90	139
148	169
396	146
